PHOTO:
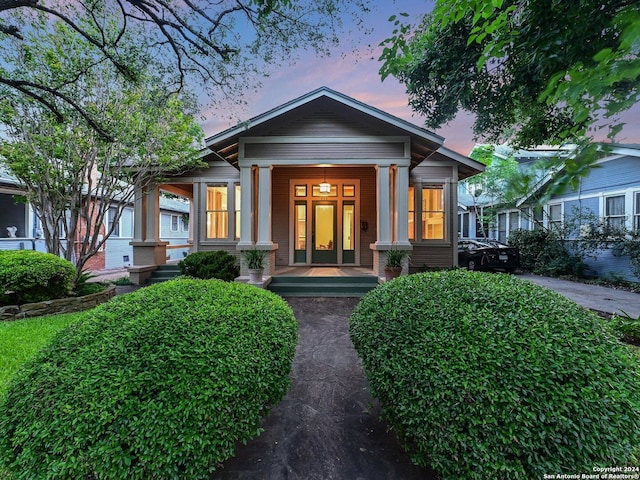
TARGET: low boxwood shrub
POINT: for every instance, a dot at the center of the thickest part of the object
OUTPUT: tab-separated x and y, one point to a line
27	276
219	264
160	383
489	376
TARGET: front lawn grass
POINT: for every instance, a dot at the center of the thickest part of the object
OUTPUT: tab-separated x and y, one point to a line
21	339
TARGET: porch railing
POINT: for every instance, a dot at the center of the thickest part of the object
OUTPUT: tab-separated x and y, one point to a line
17	243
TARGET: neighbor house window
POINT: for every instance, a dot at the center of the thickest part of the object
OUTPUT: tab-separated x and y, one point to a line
175	223
614	211
412	214
636	211
433	213
514	221
555	216
112	222
217	212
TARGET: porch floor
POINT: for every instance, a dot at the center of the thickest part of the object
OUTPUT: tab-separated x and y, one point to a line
323	271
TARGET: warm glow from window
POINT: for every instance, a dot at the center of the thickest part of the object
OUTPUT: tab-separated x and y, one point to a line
301	227
412	214
217	212
433	213
237	210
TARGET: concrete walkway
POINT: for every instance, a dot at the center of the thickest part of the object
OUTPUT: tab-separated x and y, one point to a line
327	427
594	297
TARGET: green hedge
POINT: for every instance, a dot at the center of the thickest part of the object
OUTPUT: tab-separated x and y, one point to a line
219	264
27	276
489	376
160	383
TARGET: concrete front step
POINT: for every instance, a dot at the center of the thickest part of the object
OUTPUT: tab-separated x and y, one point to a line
164	273
343	286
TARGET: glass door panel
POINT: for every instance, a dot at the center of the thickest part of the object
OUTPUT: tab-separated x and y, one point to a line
324	233
348	233
300	233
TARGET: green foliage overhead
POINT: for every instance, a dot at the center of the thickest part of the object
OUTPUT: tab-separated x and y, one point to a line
27	276
63	165
218	48
533	72
220	264
489	376
160	383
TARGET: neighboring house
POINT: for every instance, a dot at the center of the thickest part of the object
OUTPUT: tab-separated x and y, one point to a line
323	180
18	219
610	191
18	224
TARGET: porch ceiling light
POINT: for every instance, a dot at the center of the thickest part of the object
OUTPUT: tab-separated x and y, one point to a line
325	188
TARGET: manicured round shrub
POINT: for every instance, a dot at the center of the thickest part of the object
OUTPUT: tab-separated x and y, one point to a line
489	376
160	383
27	276
220	264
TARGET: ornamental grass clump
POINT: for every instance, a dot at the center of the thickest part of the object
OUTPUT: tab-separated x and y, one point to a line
27	276
160	383
489	376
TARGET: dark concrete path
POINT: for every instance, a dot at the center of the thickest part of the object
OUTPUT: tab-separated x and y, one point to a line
327	427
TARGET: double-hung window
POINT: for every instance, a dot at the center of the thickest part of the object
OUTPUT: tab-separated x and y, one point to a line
217	212
175	222
433	212
112	222
614	212
555	216
636	211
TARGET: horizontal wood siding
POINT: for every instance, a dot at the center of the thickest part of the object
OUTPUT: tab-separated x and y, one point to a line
280	215
428	256
439	172
324	150
612	175
216	170
325	119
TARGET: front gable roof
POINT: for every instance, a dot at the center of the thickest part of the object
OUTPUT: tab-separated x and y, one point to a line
323	110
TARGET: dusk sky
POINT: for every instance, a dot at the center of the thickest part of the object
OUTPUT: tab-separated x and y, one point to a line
356	74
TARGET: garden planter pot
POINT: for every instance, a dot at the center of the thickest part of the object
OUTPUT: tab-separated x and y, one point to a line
255	275
392	272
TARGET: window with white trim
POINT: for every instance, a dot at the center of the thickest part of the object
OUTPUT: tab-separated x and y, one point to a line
555	216
111	220
433	212
636	211
175	223
217	212
614	212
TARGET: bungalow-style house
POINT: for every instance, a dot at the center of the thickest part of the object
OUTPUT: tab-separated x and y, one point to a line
610	191
323	180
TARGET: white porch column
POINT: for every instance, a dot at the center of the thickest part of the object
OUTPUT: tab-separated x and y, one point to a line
402	206
264	207
246	214
383	206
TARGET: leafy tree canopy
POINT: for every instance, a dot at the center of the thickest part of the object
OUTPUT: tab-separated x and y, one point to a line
75	178
222	46
533	72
